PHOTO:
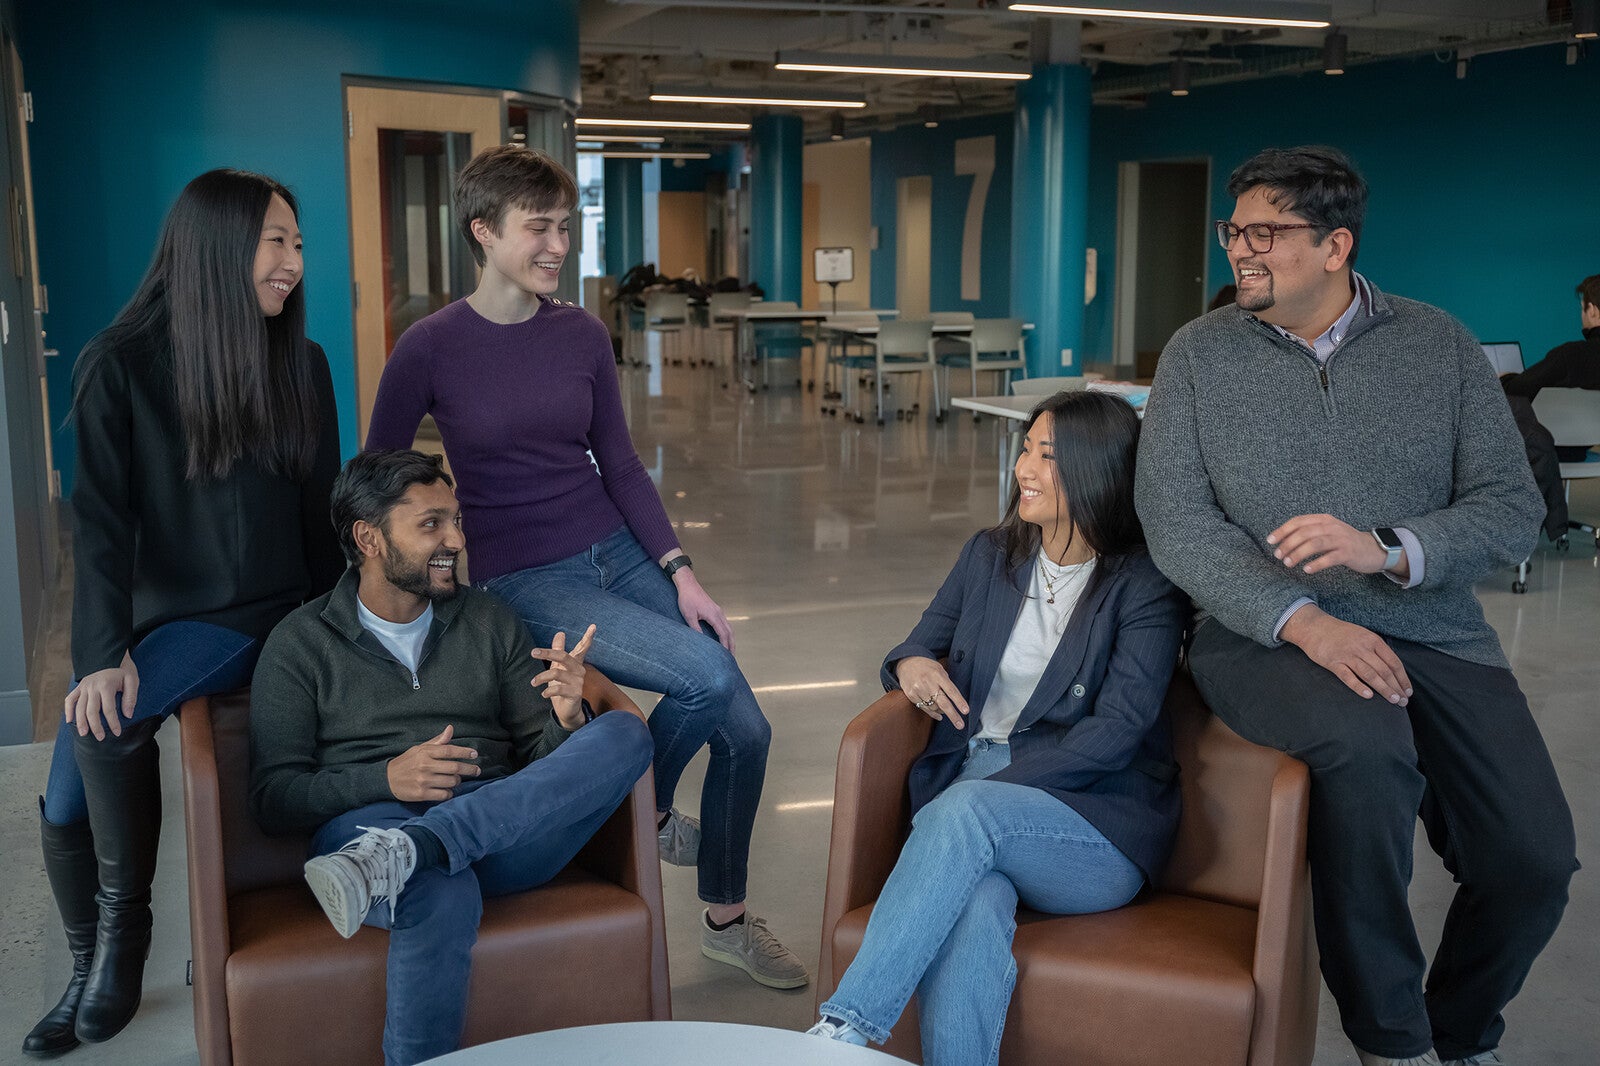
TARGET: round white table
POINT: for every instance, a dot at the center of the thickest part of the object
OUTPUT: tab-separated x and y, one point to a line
665	1044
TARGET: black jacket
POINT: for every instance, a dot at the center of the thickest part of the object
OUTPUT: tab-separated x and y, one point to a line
1573	365
151	546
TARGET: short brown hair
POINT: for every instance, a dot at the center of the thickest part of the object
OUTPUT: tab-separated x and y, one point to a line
1589	290
506	176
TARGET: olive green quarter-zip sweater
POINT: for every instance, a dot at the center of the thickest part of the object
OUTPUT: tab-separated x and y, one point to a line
330	706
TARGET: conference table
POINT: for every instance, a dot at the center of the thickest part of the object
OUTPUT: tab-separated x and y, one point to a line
666	1044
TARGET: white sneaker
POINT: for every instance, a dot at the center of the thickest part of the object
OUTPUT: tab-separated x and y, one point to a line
751	946
679	839
833	1029
372	868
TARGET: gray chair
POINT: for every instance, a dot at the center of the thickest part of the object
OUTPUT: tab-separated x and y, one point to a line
901	347
721	326
667	313
1051	385
995	344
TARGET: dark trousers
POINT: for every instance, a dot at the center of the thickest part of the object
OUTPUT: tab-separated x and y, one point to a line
1465	754
1545	460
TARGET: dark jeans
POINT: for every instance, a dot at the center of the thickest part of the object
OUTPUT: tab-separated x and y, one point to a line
502	836
176	662
642	641
1466	754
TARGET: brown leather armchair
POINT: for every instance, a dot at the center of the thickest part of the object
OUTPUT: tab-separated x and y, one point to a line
1215	965
273	982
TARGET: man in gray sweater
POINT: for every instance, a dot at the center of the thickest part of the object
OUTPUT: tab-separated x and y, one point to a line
410	727
1326	470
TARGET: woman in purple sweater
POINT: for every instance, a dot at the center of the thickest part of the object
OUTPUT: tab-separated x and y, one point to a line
567	528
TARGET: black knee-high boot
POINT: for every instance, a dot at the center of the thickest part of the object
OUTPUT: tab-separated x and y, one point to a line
74	875
122	783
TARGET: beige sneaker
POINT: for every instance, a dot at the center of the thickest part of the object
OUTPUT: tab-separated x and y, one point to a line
751	946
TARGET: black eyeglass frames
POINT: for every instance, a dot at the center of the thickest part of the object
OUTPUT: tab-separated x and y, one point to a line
1258	236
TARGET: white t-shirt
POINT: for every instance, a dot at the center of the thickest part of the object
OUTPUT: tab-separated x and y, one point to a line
403	639
1033	641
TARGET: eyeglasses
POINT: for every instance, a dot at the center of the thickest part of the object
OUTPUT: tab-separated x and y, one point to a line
1258	236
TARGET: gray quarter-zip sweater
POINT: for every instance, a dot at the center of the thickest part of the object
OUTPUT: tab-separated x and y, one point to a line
330	706
1404	425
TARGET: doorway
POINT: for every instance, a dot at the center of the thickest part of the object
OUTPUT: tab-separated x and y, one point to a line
1162	211
913	246
407	257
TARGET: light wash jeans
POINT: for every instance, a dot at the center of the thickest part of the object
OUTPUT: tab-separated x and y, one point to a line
642	641
502	836
942	927
176	663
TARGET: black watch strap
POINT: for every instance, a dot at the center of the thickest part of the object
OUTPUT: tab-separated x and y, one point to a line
676	563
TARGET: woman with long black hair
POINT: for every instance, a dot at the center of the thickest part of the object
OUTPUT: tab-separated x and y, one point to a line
1048	780
207	445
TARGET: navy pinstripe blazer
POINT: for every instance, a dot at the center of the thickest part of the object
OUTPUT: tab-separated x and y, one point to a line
1093	734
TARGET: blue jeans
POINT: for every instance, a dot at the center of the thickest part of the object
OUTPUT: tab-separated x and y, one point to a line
943	925
176	662
502	836
641	641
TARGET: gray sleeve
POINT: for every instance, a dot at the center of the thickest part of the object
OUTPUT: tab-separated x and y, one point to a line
1495	509
1192	541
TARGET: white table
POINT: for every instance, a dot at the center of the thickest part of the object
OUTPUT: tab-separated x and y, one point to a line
666	1044
747	317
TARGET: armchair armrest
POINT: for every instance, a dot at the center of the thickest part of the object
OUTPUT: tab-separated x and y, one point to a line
208	892
871	810
1286	955
623	850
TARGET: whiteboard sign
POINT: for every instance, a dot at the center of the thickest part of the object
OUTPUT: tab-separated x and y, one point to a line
834	264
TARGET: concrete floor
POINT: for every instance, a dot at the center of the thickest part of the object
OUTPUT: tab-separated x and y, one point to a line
824	540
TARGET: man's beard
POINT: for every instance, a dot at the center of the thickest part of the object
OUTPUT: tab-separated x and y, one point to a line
416	579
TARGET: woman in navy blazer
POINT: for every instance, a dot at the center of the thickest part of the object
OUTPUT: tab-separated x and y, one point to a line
1059	790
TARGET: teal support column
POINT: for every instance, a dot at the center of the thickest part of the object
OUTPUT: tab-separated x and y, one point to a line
1050	214
624	193
776	149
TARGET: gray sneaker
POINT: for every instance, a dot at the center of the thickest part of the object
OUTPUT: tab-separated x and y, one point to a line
1482	1058
679	839
751	946
372	868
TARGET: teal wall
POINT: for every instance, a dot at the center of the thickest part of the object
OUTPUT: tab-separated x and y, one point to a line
132	99
1482	198
911	151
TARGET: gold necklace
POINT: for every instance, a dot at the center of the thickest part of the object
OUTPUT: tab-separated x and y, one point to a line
1049	582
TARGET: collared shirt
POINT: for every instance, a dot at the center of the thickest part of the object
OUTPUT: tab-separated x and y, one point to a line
1322	348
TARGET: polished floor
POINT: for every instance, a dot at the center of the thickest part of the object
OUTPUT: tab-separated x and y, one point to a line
824	539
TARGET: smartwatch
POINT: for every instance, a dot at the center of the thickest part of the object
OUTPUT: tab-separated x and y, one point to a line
676	563
1390	542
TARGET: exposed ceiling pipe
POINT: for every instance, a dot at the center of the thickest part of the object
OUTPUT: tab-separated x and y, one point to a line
843	7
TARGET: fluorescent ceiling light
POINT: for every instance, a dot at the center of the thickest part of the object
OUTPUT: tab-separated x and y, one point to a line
753	101
608	154
900	66
585	138
665	124
1155	15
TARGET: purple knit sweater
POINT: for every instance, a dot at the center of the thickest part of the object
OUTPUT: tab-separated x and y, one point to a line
520	408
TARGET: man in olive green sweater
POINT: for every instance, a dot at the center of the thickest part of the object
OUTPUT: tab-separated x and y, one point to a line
410	727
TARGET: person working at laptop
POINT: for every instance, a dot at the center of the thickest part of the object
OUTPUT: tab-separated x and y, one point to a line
1573	365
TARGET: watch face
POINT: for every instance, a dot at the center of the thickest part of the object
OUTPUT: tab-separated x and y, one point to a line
1389	539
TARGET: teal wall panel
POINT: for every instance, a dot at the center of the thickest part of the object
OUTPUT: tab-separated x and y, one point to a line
135	98
1482	189
912	151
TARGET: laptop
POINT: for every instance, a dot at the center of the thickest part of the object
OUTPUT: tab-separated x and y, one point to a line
1505	356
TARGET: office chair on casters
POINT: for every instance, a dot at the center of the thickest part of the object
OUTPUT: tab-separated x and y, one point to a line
1573	418
274	983
1213	965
